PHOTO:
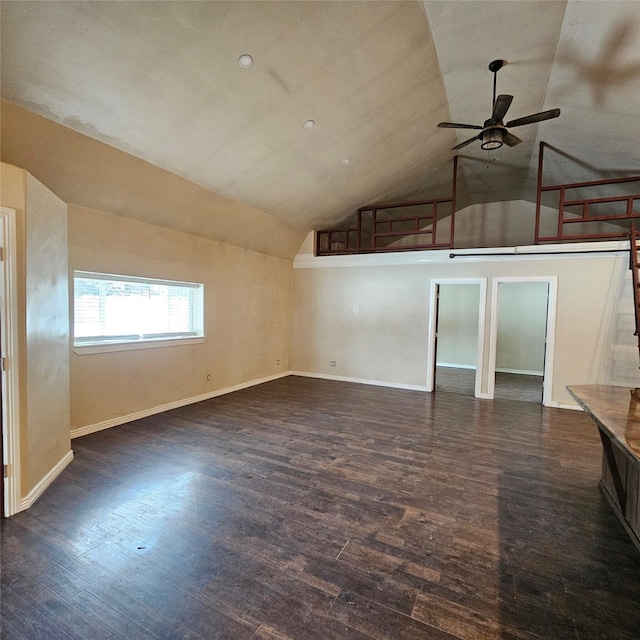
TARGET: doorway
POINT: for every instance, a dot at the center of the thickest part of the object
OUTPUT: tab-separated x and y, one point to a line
522	336
456	328
9	364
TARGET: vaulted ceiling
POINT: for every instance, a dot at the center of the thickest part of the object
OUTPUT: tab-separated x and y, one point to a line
161	81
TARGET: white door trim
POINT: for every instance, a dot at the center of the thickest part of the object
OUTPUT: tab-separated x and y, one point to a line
10	375
431	348
552	301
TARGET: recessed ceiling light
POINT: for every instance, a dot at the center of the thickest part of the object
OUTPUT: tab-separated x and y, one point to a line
345	161
245	61
309	124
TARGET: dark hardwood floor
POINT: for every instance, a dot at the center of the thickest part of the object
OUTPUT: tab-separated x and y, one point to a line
316	510
518	386
508	386
455	380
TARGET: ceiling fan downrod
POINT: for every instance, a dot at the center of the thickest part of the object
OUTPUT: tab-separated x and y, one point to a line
494	67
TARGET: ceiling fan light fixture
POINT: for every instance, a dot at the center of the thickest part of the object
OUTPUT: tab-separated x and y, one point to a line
491	139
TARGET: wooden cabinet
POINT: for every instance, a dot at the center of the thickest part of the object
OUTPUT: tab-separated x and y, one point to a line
616	411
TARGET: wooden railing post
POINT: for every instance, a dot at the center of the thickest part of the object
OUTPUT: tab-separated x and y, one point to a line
536	237
454	185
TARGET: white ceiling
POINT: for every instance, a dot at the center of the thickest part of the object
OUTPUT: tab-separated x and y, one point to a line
161	81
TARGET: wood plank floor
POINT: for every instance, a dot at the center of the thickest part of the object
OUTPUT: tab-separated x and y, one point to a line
508	386
309	509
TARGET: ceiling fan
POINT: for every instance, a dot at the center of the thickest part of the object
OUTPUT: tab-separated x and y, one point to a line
494	133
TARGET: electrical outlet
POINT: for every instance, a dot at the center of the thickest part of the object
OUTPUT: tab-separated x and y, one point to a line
278	362
208	377
333	363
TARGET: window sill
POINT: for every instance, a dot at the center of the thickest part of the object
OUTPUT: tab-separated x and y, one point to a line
109	347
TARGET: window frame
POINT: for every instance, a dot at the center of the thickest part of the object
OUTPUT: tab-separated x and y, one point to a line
105	344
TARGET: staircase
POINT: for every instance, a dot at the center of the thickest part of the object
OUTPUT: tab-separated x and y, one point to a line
635	267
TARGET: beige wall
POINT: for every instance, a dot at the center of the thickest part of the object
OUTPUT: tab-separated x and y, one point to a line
247	317
386	340
496	224
87	172
47	330
512	223
371	322
43	323
13	194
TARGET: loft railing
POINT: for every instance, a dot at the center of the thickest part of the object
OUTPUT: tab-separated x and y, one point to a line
420	225
576	214
583	217
402	226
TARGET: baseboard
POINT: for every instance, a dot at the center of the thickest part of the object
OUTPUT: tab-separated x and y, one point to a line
560	405
145	413
377	383
39	489
521	372
114	422
453	365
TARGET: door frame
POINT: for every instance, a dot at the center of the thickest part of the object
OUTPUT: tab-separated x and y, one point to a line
433	321
10	372
550	337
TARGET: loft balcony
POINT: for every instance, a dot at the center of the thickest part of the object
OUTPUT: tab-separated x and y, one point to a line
572	212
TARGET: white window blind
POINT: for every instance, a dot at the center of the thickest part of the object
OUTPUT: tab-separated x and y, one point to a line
115	309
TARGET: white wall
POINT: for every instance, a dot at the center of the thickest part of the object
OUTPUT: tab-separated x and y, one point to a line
522	317
386	340
522	321
458	309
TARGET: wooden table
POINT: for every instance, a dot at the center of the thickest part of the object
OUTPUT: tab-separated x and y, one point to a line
617	414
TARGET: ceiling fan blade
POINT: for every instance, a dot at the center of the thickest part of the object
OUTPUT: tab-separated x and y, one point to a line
510	140
457	125
500	108
465	143
536	117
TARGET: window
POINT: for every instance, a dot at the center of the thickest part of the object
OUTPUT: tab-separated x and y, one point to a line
128	311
